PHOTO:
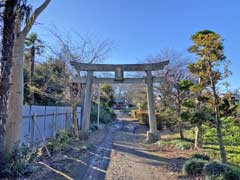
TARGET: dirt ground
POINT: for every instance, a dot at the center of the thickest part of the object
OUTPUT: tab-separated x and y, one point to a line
117	152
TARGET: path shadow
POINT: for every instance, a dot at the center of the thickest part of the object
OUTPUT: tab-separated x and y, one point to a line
131	144
151	159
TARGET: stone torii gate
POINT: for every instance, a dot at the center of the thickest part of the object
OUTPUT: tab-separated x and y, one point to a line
119	70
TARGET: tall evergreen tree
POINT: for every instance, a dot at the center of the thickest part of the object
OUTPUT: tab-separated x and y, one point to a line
208	46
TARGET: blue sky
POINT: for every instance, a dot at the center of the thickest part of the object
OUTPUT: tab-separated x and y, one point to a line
141	28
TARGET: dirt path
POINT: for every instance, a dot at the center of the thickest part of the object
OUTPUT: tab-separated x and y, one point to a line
132	159
118	154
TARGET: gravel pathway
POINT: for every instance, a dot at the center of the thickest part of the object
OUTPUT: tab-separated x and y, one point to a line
119	152
131	160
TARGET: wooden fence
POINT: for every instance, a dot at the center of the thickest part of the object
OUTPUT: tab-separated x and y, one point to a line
42	122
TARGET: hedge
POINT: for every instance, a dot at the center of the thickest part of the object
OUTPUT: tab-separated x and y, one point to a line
143	118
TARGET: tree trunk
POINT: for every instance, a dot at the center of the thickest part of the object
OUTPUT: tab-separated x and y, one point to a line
32	72
32	51
75	119
181	130
74	96
13	126
16	92
6	69
218	123
180	123
219	135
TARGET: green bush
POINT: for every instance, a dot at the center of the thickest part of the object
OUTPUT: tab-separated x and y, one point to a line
106	114
18	162
184	145
59	143
193	167
219	171
143	118
201	156
63	136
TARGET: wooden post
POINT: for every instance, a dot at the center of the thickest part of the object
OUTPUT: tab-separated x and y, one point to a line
67	122
45	117
87	101
43	139
99	103
32	130
54	125
153	134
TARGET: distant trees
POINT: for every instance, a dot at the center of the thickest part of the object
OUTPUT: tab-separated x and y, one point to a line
53	79
208	46
174	89
85	51
107	94
48	85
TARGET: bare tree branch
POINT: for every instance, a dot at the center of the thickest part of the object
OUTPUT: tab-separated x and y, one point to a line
34	16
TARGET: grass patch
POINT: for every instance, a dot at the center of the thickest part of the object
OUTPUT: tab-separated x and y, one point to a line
177	143
233	153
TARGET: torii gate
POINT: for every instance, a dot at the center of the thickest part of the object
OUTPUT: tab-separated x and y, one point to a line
119	69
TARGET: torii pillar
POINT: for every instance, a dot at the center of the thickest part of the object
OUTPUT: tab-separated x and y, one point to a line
87	101
153	134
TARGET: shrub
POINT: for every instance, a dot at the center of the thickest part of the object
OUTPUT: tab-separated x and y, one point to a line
219	171
143	118
193	167
134	114
18	163
106	114
63	136
59	143
231	175
201	156
184	145
177	143
93	127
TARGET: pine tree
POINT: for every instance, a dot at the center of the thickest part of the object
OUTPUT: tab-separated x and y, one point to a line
208	46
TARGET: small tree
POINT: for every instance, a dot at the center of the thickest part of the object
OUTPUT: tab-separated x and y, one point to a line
208	47
182	93
85	50
107	95
34	46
